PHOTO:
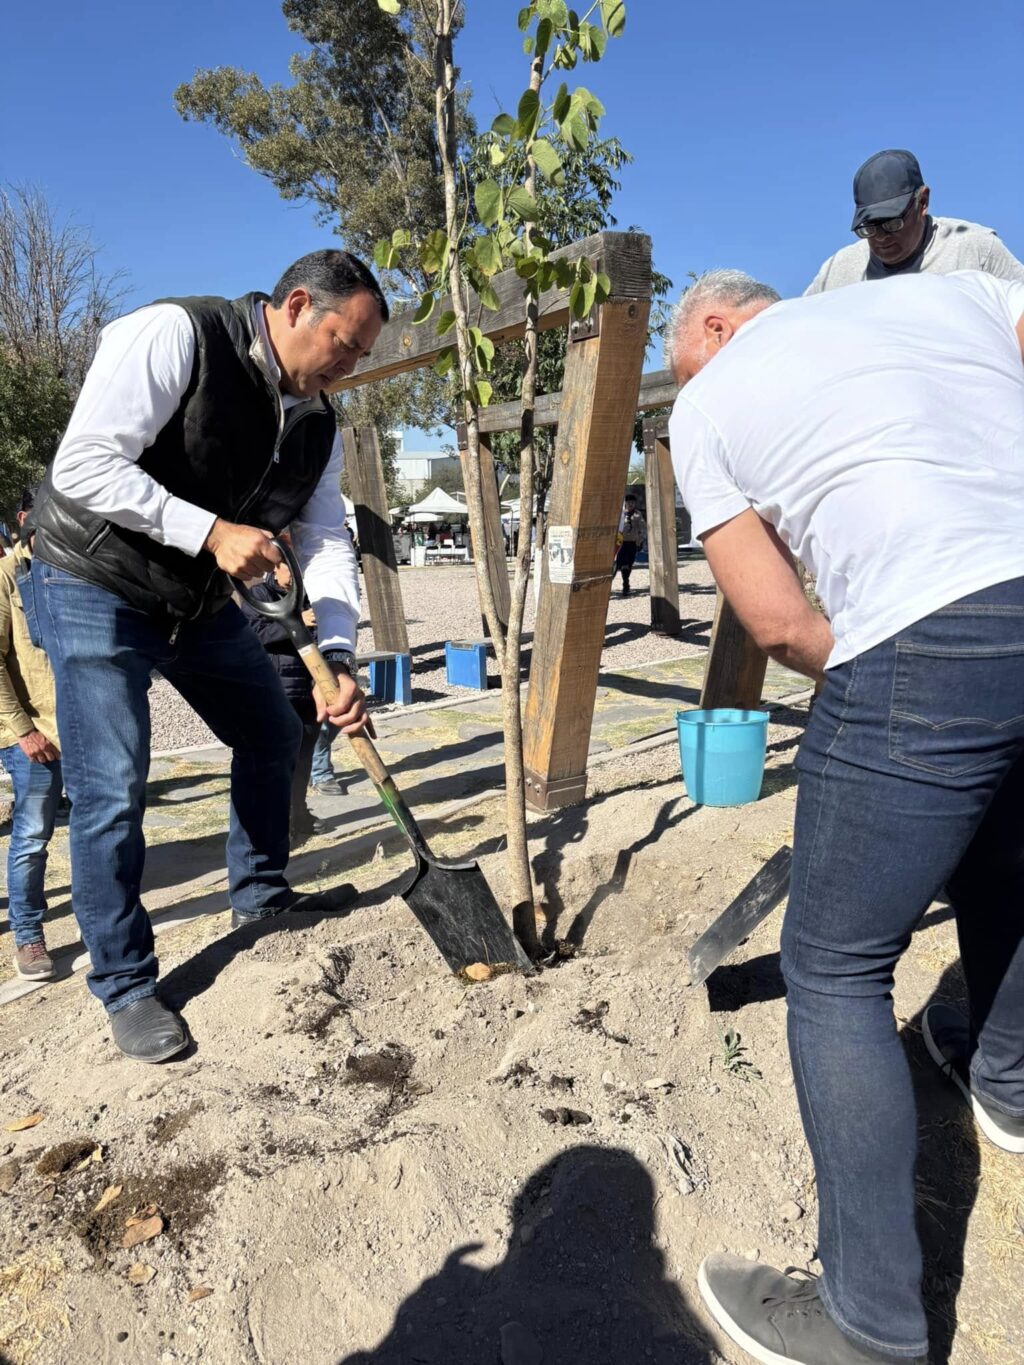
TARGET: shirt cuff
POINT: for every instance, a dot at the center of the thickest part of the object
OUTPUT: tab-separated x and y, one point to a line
186	526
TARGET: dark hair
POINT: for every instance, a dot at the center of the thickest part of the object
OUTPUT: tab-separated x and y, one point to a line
28	499
329	276
630	497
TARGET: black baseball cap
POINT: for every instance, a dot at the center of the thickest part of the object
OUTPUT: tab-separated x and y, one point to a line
885	185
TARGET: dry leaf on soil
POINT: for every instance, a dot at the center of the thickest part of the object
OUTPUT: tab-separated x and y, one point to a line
108	1196
147	1212
478	971
95	1155
19	1125
201	1291
143	1230
140	1273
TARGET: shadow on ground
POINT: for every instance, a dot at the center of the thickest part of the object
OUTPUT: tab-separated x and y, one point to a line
582	1281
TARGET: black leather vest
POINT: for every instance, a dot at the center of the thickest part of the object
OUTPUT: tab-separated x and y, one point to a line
227	449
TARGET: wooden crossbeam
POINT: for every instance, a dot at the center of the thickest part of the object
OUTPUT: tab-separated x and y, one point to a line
657	390
376	542
625	257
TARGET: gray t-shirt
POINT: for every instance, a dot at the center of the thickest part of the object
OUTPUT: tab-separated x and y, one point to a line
950	244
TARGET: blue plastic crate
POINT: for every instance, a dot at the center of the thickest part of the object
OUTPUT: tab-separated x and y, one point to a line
391	677
466	663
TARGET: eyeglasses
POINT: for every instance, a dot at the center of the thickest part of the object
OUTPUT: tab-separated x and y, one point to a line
886	224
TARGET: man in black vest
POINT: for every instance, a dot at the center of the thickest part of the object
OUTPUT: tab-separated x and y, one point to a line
201	430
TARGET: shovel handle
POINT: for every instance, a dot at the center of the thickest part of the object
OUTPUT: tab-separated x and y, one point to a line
288	611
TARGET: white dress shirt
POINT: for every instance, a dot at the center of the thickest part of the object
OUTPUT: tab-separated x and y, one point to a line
133	388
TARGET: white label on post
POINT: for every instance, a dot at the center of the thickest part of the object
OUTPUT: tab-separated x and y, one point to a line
560	554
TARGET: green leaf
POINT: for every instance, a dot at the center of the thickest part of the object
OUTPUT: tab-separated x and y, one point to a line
389	6
497	154
526	267
576	133
613	16
528	46
475	337
425	308
603	286
556	11
482	392
565	58
547	159
576	300
383	254
485	352
528	115
562	104
487	197
401	237
523	205
504	125
544	31
434	251
525	15
445	360
487	255
598	41
446	322
488	298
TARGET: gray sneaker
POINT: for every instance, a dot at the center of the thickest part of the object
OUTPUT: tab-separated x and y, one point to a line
947	1036
777	1319
33	962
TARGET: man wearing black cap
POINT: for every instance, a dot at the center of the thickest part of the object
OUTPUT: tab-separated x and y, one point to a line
899	236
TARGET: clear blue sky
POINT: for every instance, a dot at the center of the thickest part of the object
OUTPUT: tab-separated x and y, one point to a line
746	121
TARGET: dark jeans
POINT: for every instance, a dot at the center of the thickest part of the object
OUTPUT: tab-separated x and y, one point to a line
624	561
37	788
103	653
321	768
911	780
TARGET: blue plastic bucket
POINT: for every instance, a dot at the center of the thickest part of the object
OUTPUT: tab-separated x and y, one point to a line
722	753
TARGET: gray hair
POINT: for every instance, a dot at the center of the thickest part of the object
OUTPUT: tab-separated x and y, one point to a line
733	288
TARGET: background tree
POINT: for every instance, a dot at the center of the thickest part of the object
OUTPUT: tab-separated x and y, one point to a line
54	300
354	136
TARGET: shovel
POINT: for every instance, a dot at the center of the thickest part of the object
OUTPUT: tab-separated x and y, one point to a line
452	901
755	903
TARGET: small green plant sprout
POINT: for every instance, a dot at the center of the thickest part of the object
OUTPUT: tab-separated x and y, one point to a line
736	1064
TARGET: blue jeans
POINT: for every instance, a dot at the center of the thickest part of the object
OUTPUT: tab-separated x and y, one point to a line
37	788
911	780
103	653
322	769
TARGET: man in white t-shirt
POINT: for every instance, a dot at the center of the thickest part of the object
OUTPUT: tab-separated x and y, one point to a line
898	236
876	434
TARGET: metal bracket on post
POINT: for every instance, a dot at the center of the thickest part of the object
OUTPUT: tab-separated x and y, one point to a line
650	434
462	435
551	794
582	329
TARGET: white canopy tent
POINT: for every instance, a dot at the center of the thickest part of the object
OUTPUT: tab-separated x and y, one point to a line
437	506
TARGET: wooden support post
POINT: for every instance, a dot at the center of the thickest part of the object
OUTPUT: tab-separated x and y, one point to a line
602	381
376	542
494	546
735	668
661	532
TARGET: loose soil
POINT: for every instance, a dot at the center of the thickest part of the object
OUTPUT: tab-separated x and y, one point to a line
369	1162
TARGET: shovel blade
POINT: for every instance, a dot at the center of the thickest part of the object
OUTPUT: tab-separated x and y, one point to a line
456	907
754	903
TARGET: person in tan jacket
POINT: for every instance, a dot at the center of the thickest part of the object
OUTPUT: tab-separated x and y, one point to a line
30	753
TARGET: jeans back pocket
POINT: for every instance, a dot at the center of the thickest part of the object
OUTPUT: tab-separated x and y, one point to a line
956	708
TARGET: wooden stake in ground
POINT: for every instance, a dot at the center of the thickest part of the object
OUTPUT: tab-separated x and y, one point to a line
602	381
735	667
662	551
376	542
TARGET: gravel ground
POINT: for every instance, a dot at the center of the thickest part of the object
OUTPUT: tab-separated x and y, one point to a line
441	604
